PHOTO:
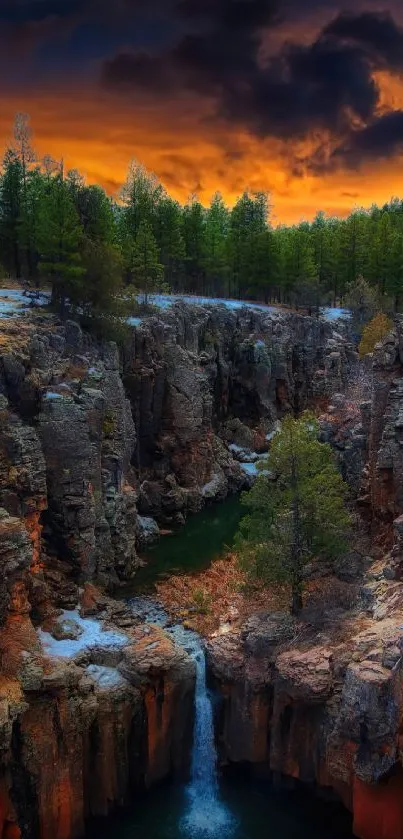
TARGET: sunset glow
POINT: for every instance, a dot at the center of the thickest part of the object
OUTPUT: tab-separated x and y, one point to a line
98	111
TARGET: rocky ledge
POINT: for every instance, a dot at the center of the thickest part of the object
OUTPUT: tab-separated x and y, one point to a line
93	707
94	446
320	699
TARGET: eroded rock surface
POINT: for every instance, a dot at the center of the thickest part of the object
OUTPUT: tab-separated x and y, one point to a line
97	450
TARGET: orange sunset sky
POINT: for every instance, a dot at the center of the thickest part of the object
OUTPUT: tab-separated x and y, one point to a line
302	99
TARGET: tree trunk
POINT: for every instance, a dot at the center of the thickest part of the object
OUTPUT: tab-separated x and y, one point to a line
296	602
297	548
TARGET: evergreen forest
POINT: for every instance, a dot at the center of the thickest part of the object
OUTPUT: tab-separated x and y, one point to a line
56	230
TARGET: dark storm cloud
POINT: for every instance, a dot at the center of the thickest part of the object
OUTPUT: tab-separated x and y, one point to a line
138	70
381	139
212	48
27	12
219	47
327	85
377	32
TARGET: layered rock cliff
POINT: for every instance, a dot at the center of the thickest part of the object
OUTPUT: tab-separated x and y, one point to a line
202	378
94	704
320	699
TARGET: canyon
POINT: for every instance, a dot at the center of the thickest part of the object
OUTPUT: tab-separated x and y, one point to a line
100	448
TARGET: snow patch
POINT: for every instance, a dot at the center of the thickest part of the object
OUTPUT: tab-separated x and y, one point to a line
211	489
250	468
330	314
273	432
105	677
52	395
93	635
164	301
243	455
149	530
13	301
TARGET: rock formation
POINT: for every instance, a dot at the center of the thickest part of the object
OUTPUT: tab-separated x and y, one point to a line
200	378
93	444
323	703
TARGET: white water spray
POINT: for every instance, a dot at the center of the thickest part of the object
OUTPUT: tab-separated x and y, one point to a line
206	816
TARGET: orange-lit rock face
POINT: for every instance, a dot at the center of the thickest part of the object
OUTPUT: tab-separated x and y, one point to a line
11	831
378	810
8	826
19	603
305	712
165	675
34	528
159	718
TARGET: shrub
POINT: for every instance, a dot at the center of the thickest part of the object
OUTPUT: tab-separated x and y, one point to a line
202	601
373	332
109	424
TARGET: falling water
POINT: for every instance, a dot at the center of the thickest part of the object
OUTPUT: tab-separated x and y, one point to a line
206	815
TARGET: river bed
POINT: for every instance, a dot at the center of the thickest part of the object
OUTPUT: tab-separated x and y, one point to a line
213	805
258	812
206	536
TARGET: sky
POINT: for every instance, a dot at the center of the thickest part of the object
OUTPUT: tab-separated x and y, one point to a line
303	98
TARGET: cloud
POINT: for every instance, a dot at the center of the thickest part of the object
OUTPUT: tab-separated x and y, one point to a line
376	32
381	139
326	86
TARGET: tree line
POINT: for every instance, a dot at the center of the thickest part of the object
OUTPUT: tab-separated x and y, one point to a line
57	229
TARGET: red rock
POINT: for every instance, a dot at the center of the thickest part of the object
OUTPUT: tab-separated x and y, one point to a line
378	810
11	831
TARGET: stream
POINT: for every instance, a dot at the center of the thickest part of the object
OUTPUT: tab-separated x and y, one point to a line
210	806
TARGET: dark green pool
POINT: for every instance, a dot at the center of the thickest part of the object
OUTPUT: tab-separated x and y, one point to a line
205	537
259	813
246	810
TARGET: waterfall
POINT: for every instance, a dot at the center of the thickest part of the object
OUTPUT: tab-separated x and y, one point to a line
206	816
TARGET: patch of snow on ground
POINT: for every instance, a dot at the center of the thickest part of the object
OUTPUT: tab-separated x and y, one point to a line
164	301
149	530
274	431
330	313
236	449
250	468
105	677
92	636
243	455
52	395
210	489
13	301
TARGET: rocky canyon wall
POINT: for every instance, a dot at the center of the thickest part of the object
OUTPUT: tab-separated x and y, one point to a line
320	699
93	704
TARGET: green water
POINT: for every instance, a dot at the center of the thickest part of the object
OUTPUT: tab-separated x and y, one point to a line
255	811
259	813
205	537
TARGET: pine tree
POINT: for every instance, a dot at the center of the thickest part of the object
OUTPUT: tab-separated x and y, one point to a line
10	214
194	234
147	270
363	301
170	242
102	282
95	210
296	517
25	154
216	231
59	237
394	282
249	219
